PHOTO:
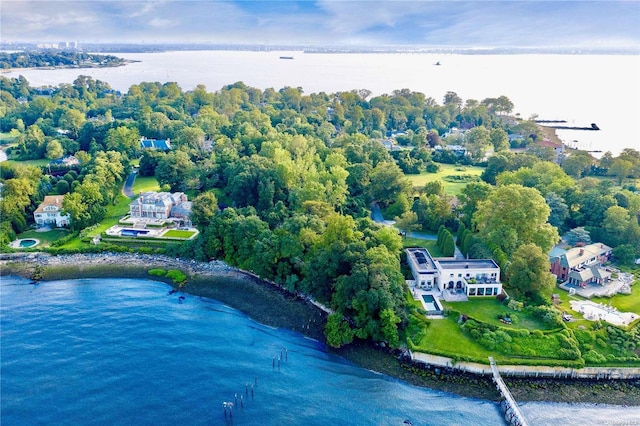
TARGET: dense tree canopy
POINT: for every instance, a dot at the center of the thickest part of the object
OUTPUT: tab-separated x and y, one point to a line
514	215
282	183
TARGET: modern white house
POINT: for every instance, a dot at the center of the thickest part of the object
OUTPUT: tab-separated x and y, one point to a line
471	277
49	212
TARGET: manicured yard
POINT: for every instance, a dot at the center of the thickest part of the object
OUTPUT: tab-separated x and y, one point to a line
46	238
177	233
430	245
38	163
624	303
6	138
145	183
114	214
451	188
445	337
487	311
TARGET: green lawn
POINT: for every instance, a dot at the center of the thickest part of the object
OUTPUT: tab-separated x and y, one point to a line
38	163
487	310
176	233
445	337
624	302
451	188
46	238
145	183
114	214
6	138
430	245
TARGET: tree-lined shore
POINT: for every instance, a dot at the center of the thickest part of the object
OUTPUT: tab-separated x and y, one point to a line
283	183
274	306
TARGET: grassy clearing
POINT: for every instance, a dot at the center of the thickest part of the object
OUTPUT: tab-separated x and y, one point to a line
445	337
46	238
6	138
624	302
451	188
487	311
38	163
177	233
145	183
430	245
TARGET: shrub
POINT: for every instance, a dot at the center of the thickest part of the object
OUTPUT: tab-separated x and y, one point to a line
177	276
157	272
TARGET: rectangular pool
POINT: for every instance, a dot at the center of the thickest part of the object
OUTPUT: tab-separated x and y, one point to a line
430	303
133	232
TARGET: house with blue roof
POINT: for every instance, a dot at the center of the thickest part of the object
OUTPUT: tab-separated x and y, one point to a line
161	144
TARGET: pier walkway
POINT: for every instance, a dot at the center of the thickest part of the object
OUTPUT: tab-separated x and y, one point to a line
511	411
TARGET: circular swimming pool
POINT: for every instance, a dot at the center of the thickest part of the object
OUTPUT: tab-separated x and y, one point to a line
27	242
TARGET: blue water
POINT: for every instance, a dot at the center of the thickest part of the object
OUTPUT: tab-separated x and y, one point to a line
123	352
430	302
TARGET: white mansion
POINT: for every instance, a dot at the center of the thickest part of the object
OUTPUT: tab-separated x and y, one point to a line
48	212
473	277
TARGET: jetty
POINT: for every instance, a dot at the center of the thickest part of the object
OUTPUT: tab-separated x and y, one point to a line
512	413
553	124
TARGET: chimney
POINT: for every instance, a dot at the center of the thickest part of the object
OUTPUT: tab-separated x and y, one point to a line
581	252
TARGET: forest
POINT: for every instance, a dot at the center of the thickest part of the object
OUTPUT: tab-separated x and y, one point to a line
283	184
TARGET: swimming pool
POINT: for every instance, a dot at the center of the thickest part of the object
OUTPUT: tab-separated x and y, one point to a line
27	242
430	303
133	232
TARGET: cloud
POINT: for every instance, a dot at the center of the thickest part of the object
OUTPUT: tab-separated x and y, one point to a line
457	23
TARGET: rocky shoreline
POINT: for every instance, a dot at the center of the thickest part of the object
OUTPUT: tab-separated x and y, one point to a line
280	308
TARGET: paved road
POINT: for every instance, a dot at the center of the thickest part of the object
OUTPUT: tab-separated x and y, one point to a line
127	189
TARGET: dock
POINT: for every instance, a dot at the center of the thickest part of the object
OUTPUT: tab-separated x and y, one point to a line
512	413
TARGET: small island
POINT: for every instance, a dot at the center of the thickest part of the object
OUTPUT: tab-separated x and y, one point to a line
58	59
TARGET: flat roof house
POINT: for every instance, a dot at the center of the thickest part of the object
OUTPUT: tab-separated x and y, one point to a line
473	277
48	212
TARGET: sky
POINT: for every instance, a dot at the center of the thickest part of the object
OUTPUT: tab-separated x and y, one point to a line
540	23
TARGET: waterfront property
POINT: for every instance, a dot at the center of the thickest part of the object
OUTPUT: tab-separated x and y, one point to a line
24	243
431	304
580	259
161	205
49	212
454	279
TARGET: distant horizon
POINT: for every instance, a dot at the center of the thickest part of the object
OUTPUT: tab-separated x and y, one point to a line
112	46
568	24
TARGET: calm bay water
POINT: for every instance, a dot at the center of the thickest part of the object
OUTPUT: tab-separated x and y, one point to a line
122	351
582	89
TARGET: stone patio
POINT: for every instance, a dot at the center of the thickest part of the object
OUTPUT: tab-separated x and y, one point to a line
613	287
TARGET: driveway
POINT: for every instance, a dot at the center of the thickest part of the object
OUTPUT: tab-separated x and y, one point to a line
127	189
